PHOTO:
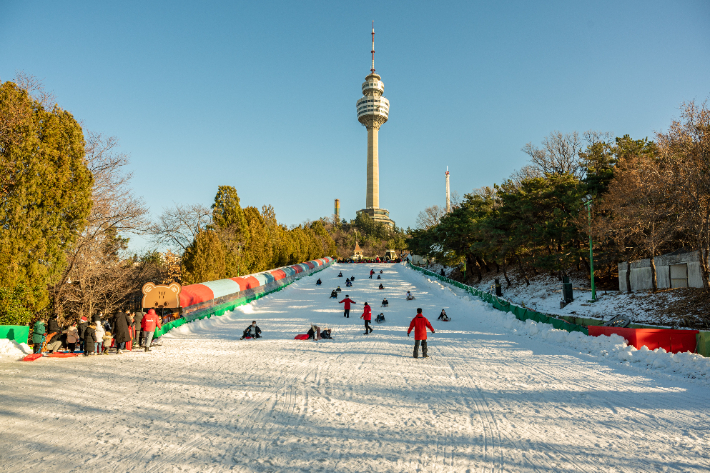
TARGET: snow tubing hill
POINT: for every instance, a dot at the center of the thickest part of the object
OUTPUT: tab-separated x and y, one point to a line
203	300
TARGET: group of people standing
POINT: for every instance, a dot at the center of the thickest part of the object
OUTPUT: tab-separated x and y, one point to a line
123	330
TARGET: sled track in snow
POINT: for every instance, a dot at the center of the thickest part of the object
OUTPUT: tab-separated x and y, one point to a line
488	400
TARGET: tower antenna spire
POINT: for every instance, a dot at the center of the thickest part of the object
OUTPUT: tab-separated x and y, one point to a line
373	47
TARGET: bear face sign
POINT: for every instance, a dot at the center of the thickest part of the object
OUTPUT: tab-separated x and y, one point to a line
161	297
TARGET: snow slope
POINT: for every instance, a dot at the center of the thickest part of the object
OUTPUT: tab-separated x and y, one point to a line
492	397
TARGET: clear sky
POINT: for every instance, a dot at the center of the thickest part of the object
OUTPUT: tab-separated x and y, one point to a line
261	95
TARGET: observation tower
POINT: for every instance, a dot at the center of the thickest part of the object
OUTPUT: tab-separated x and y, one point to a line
372	111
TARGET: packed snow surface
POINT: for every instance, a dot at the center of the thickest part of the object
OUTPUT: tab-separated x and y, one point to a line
13	350
496	394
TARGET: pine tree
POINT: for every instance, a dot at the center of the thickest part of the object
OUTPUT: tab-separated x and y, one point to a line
45	192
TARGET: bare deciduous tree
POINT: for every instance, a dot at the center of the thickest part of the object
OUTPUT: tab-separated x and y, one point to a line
430	217
114	211
559	154
177	227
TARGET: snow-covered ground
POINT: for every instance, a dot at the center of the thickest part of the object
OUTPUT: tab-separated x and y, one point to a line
544	293
496	395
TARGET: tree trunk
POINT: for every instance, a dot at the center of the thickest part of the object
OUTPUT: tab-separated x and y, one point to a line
483	264
703	255
654	280
505	273
497	266
522	271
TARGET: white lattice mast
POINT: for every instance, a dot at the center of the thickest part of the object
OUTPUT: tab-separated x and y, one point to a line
448	192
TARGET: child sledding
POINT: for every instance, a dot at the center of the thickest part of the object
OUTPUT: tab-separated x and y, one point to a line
443	317
380	318
410	297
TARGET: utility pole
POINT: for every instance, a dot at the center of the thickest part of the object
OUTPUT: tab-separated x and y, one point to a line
587	201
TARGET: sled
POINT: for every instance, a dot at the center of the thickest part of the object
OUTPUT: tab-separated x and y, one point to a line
32	357
62	355
302	336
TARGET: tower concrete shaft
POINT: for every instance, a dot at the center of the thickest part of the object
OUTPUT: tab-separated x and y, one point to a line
372	200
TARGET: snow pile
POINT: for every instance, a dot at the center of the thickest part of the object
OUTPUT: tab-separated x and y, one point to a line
613	348
10	348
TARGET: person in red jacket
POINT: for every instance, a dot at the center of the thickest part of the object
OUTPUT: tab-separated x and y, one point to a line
372	271
367	315
347	301
150	322
420	324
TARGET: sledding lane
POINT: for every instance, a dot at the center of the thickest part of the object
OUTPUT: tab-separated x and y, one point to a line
487	400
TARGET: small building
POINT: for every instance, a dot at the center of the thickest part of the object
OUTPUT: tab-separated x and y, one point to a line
673	270
357	255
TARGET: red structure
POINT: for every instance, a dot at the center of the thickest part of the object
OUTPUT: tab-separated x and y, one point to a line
673	341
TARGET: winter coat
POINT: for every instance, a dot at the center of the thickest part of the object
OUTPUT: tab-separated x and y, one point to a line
72	334
120	328
82	327
347	302
38	332
150	321
89	339
252	331
137	320
99	332
367	314
420	324
53	326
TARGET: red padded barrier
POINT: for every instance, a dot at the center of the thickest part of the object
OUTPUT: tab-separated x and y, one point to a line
278	274
310	265
247	282
297	268
674	341
194	294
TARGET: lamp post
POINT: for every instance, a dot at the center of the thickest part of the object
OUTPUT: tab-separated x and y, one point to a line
587	201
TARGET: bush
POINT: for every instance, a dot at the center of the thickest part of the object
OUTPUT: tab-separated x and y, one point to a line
12	308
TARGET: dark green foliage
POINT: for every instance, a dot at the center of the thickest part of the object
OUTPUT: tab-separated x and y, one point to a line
12	305
45	192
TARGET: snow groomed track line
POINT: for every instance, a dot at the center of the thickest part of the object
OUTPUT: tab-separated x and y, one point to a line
491	397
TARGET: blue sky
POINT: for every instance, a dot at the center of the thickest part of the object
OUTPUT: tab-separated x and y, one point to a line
261	95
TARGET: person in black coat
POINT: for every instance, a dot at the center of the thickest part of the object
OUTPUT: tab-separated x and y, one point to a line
120	330
90	339
83	324
137	319
252	331
53	326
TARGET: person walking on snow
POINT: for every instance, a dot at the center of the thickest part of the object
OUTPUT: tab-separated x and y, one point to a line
347	301
420	324
121	334
372	271
150	322
367	315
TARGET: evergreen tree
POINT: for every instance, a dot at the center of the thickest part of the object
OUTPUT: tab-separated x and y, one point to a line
45	192
204	259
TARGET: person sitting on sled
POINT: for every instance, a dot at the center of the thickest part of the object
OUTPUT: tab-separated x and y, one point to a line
252	331
379	277
385	303
380	318
381	286
333	294
348	283
380	271
338	289
352	278
319	282
340	274
410	297
314	333
443	316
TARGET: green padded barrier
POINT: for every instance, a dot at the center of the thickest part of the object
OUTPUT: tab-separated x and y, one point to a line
703	343
18	333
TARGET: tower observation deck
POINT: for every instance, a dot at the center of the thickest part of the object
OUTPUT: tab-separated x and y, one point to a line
372	111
